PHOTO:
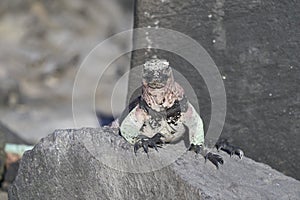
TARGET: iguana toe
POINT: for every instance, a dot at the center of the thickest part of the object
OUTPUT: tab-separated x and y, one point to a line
224	145
214	158
146	142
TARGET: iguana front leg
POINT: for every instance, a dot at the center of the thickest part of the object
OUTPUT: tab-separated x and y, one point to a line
131	125
193	122
196	134
130	129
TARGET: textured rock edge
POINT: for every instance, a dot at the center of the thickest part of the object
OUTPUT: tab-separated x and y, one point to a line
60	167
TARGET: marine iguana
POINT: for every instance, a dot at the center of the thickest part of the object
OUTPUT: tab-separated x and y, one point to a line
162	114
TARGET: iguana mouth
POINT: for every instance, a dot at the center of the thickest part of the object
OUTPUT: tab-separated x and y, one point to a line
156	85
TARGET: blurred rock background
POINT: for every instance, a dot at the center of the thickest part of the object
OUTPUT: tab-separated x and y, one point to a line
43	44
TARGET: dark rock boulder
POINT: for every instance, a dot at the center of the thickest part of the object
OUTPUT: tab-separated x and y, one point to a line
99	164
255	45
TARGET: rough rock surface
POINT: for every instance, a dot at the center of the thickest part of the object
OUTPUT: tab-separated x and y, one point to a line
94	164
255	45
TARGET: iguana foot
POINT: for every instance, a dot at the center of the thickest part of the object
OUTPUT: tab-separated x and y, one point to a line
224	145
146	142
214	158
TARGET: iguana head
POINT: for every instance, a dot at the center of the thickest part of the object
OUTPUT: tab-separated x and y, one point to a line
159	88
156	73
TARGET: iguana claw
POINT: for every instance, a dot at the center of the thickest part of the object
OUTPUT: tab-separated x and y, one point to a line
146	142
224	145
214	158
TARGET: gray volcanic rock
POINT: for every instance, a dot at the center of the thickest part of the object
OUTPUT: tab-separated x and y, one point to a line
99	164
